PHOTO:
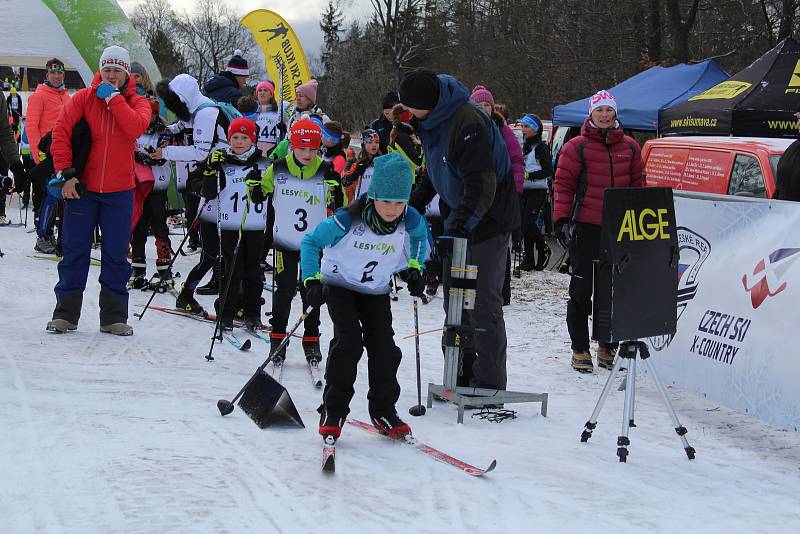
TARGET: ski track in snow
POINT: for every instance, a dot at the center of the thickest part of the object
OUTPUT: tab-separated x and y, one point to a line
106	434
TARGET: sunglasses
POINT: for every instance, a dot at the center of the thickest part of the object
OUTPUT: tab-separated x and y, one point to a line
58	69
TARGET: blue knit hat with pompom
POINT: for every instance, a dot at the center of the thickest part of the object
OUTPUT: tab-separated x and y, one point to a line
391	179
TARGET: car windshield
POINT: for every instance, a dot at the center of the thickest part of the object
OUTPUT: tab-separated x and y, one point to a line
773	162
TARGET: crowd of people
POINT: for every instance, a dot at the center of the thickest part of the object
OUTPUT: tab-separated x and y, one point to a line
258	174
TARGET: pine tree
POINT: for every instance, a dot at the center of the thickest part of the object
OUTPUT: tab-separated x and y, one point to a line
331	24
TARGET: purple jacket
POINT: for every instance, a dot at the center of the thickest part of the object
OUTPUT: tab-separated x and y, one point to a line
515	153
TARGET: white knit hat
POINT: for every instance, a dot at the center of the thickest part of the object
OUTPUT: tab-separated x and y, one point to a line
602	98
117	57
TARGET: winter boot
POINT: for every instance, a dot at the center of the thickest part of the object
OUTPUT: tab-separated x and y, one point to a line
605	357
44	245
4	221
311	348
118	329
60	326
253	323
391	425
582	361
528	263
274	341
211	288
543	257
330	425
187	302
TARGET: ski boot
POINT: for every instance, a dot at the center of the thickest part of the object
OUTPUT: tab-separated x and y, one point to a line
329	424
211	288
391	425
186	302
528	263
543	257
274	341
44	245
311	348
138	278
253	324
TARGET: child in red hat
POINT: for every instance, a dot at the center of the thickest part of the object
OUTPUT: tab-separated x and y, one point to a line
302	187
241	221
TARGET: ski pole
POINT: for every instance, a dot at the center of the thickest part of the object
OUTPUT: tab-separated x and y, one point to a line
419	409
231	268
174	257
226	406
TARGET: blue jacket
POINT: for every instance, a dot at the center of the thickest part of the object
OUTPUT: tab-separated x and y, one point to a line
223	87
468	163
331	230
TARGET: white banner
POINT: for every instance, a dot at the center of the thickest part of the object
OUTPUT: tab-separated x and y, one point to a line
738	295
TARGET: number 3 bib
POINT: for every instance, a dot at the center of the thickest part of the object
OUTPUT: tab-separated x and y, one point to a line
300	205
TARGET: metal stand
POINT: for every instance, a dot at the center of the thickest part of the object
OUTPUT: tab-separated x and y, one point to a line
627	353
463	283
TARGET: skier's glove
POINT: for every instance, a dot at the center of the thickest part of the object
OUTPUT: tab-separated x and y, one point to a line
282	128
563	232
142	158
7	184
315	292
216	159
456	228
20	176
416	283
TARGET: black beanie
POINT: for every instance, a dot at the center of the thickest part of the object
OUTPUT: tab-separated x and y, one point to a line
390	99
420	89
238	65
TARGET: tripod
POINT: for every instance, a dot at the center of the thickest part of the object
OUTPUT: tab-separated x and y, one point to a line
628	351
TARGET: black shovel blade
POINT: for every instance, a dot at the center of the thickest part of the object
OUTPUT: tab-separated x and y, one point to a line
267	403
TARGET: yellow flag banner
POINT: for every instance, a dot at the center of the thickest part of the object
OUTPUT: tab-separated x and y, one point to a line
281	47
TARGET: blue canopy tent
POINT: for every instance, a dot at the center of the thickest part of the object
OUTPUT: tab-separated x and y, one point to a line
641	97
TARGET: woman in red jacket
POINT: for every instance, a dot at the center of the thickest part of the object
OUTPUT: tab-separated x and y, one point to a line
103	193
601	157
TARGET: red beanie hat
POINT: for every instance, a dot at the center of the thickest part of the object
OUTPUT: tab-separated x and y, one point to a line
242	125
305	133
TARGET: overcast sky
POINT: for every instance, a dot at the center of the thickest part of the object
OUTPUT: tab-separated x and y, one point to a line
303	15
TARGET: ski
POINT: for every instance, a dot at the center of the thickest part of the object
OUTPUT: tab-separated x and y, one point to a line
207	318
233	340
429	451
92	261
314	373
329	454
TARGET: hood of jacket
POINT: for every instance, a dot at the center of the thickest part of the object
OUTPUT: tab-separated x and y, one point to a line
452	95
220	81
188	90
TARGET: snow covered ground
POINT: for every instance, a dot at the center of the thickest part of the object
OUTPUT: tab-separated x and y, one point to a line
105	434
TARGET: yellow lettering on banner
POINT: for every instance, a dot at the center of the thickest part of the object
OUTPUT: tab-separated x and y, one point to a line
794	79
649	225
281	47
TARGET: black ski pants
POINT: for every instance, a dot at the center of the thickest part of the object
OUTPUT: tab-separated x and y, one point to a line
583	250
208	255
154	216
531	202
192	204
361	321
245	273
287	266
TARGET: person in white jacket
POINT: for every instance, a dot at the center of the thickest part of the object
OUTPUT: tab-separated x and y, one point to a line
204	126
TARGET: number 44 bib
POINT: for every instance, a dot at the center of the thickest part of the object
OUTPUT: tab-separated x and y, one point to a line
365	261
300	205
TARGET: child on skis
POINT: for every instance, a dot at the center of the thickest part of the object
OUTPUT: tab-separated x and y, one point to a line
357	178
302	186
242	222
362	247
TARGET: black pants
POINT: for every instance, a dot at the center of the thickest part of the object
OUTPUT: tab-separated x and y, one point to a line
287	264
584	249
208	255
361	321
531	202
244	274
192	203
268	234
154	216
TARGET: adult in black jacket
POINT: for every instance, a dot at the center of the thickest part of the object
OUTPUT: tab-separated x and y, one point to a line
227	85
468	165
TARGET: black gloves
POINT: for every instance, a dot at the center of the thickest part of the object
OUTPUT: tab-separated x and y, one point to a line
142	158
282	128
456	228
332	175
563	232
315	293
20	176
68	174
209	190
6	185
416	283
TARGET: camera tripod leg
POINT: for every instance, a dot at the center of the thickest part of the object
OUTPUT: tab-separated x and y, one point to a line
627	411
679	428
592	422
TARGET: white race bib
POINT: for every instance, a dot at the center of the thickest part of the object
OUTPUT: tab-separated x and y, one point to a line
300	205
233	201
